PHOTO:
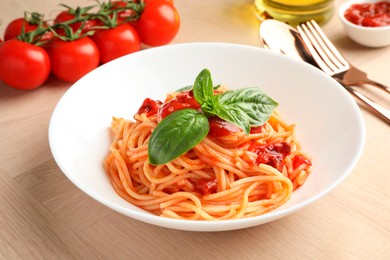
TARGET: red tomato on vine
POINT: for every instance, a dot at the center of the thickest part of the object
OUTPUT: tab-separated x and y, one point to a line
70	60
26	24
122	16
159	23
116	42
23	65
14	28
70	14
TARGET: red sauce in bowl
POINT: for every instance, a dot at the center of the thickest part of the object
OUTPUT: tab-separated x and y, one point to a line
369	14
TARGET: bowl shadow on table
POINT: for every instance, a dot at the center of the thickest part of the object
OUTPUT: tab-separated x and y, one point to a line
166	242
107	233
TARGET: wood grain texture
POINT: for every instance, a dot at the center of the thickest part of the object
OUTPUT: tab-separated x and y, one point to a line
44	216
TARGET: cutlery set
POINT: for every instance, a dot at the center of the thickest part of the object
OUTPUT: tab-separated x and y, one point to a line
308	43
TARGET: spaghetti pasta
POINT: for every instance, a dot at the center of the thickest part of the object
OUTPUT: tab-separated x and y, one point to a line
223	177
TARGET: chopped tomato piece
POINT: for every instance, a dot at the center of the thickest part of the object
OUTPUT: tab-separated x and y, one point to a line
206	186
149	106
298	160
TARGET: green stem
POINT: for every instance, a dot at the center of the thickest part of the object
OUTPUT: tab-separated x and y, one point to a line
107	15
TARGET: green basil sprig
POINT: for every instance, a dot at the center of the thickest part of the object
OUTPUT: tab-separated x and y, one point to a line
183	129
176	134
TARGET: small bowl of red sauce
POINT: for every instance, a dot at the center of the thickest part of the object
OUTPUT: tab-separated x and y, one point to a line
367	22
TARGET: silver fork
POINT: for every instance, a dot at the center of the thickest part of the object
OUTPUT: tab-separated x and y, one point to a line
329	59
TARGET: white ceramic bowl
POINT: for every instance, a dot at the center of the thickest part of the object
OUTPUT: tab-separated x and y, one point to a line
329	122
367	36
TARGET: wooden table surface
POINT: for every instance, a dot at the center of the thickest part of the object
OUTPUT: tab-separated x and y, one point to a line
44	216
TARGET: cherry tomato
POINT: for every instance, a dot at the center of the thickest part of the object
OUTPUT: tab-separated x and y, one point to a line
116	42
68	15
14	29
158	24
122	16
27	24
23	65
71	60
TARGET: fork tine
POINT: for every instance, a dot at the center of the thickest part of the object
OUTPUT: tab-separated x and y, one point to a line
332	60
330	45
319	47
313	51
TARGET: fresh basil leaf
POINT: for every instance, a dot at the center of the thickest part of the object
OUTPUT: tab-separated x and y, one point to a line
189	87
176	134
252	101
186	88
233	115
217	87
203	87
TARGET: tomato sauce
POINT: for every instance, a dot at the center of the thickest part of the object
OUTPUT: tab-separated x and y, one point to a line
205	186
369	14
186	99
299	160
257	129
181	101
271	154
220	128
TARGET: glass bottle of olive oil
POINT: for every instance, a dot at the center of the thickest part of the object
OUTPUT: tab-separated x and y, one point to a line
295	12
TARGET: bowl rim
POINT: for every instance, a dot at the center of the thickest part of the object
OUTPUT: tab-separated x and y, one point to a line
343	7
